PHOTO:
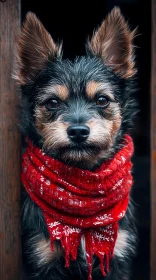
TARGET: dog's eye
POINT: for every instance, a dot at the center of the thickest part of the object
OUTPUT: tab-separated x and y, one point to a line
102	101
52	104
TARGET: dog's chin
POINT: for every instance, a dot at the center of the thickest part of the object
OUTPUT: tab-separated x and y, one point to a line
85	157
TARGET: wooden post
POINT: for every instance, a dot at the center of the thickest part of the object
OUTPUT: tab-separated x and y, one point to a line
10	251
153	145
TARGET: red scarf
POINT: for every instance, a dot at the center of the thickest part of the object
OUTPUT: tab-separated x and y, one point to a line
78	202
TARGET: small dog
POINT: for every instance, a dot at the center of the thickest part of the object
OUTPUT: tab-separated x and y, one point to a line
78	113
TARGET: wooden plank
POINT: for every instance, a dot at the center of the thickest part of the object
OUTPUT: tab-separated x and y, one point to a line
153	145
10	251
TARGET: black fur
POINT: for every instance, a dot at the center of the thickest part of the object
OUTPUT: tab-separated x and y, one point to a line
75	75
81	71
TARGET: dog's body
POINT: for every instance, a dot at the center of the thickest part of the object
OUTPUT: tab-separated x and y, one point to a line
78	112
42	263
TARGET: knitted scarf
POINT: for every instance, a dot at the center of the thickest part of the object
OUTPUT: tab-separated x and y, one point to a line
78	203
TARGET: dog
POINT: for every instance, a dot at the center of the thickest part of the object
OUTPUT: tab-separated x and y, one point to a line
78	113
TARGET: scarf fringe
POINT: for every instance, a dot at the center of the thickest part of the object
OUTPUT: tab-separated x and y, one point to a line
71	255
98	244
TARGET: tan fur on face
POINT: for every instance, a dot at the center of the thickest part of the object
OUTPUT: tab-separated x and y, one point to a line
102	132
54	133
113	42
62	92
35	46
93	87
59	90
42	116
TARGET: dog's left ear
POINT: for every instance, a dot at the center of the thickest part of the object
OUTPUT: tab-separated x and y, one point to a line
113	43
35	47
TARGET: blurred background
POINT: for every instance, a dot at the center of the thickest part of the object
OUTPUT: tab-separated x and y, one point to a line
73	22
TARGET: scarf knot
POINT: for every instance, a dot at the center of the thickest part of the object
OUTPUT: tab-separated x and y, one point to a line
78	203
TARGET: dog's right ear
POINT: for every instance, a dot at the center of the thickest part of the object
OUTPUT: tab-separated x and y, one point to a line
34	48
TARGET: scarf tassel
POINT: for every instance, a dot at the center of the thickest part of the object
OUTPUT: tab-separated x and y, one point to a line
92	248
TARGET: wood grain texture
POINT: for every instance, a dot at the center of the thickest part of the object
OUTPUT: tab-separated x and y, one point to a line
153	145
10	251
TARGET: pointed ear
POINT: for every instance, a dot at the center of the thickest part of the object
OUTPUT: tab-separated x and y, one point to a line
113	43
35	47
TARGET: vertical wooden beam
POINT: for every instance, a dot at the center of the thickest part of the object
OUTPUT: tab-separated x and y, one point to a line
10	253
153	145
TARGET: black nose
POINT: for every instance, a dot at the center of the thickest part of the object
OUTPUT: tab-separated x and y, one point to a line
78	133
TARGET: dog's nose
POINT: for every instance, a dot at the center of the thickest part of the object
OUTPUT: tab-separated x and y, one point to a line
78	133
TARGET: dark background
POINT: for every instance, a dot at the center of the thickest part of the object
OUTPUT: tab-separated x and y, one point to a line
73	22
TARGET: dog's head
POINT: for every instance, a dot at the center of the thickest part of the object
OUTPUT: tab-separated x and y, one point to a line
77	111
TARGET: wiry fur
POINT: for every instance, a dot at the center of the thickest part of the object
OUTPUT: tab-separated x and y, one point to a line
113	42
44	75
31	60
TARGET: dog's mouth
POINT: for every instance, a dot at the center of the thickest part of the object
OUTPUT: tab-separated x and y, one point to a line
82	149
78	153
